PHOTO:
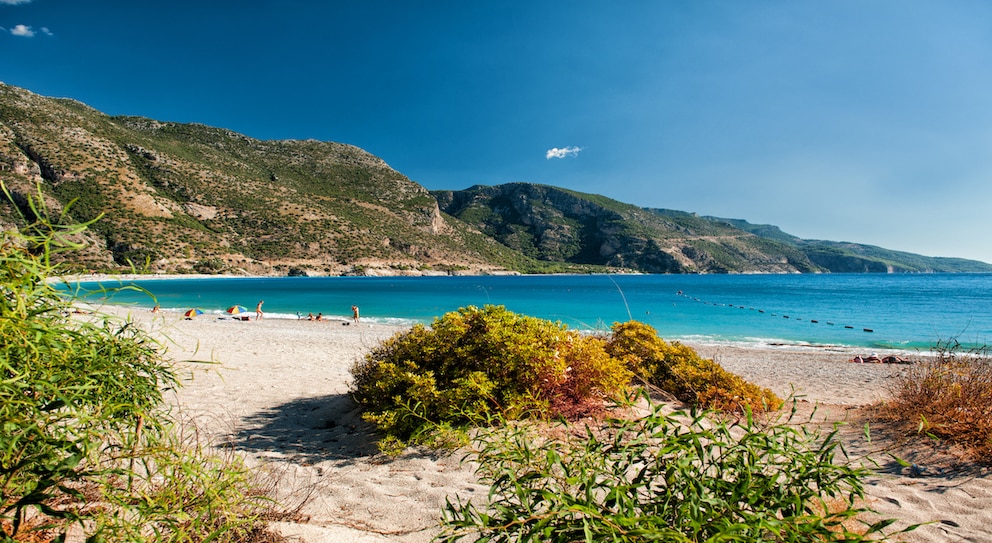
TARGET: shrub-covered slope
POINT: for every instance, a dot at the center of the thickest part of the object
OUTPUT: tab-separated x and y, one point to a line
847	257
553	224
549	223
188	197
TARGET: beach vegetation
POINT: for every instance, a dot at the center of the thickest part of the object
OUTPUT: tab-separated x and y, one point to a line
679	370
86	442
947	396
474	364
210	266
683	476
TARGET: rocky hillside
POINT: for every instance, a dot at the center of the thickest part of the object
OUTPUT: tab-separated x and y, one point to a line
548	223
191	198
846	257
553	224
186	198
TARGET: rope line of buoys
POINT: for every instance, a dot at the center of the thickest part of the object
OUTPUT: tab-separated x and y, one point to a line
814	321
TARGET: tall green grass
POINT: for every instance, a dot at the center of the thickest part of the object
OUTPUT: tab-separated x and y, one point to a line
86	441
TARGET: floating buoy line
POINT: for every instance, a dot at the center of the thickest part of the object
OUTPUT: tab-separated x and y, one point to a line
814	321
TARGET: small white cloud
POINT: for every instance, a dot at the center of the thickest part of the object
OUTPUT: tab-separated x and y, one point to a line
22	30
46	31
563	152
14	2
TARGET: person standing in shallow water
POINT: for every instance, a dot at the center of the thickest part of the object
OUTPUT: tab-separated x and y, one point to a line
354	313
258	310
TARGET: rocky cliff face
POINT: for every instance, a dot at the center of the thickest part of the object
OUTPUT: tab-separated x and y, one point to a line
548	223
554	224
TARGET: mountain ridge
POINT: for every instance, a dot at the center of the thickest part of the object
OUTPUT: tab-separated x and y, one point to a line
190	198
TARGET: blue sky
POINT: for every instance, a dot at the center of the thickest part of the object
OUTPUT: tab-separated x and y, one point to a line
864	120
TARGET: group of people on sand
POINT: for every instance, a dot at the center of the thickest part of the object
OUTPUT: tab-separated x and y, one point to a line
259	314
310	316
320	316
875	359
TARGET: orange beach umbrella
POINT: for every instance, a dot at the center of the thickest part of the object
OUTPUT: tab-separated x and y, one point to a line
192	313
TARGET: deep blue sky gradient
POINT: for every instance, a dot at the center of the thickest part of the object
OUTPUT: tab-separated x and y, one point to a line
850	120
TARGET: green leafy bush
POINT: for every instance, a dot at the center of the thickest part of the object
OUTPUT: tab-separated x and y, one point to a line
66	385
85	438
680	371
474	363
680	477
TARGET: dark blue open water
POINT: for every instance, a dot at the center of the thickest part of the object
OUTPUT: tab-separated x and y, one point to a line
901	311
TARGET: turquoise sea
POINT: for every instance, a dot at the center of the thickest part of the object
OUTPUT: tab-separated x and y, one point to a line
871	311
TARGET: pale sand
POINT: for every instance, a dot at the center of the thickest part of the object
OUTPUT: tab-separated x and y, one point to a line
278	393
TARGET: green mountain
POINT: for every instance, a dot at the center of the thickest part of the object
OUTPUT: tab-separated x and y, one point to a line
846	257
191	198
184	198
553	224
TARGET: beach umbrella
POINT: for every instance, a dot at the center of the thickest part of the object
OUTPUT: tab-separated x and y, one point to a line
237	310
192	313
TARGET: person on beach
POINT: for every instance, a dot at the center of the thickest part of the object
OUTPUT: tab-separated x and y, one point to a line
156	309
320	317
309	316
258	310
354	313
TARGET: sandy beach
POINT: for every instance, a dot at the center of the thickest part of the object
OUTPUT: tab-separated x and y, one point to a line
276	391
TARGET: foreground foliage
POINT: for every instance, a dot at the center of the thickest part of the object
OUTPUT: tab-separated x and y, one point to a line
680	477
680	371
84	438
948	396
474	364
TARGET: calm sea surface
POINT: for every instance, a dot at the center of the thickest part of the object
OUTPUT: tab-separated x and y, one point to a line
882	311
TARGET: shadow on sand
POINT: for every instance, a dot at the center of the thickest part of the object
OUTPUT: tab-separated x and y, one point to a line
309	430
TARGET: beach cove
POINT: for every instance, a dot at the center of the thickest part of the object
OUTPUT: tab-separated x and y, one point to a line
276	391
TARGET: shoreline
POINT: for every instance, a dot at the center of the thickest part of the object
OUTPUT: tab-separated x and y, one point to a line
896	334
695	342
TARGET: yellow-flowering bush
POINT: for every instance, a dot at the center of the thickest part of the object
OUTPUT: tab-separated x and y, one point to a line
679	370
474	363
